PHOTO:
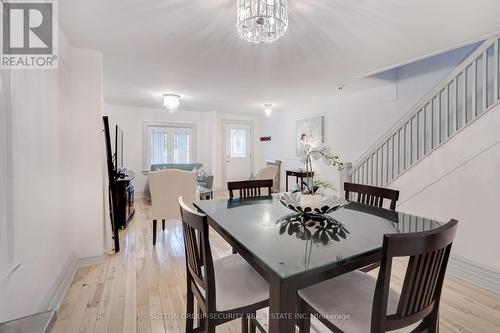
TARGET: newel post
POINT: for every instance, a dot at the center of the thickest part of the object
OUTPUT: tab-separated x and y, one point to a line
344	176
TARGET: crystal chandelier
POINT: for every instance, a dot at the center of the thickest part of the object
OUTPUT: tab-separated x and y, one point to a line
262	21
171	102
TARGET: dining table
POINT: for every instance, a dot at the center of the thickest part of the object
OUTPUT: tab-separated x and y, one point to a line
293	251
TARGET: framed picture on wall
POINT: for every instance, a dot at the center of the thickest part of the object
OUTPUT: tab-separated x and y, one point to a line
308	130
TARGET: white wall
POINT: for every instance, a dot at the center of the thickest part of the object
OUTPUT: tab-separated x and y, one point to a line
460	180
359	114
43	232
55	139
6	246
417	79
88	152
209	137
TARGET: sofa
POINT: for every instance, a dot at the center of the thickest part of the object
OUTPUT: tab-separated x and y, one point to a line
203	180
186	167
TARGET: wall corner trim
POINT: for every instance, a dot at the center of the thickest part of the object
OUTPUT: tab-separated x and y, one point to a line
56	293
477	274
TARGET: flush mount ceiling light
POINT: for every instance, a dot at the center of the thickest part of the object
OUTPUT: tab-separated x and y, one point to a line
268	109
171	102
262	21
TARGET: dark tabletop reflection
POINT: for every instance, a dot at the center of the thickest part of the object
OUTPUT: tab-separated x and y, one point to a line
312	227
238	202
289	245
401	222
386	214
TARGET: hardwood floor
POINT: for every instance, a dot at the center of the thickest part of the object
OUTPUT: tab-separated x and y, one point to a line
142	289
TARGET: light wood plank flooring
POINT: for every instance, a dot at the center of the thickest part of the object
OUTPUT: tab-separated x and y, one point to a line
131	290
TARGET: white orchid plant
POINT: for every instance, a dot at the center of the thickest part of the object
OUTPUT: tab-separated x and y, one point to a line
320	152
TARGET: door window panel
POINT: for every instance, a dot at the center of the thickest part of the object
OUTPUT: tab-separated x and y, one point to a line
238	142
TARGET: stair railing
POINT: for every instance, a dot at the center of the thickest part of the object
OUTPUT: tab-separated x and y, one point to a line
463	96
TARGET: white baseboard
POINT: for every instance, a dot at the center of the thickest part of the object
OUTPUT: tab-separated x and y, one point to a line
57	291
477	274
141	194
59	288
89	261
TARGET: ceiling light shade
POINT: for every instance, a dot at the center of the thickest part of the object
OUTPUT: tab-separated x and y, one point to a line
268	109
171	102
262	21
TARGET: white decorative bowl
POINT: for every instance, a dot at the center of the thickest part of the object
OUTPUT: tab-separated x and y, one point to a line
311	203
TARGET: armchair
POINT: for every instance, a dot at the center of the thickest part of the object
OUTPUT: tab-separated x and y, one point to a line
166	186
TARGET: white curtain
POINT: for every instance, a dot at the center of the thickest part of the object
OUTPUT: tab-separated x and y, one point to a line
182	145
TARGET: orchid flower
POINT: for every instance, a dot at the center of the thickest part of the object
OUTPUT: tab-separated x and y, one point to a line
323	152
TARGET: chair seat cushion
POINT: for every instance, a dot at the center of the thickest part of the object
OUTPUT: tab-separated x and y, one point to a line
237	284
262	317
347	300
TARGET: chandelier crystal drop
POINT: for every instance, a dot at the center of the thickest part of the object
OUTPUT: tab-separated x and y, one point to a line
171	102
262	21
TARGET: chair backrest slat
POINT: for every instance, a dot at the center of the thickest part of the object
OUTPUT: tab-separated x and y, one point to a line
371	195
199	262
250	188
193	257
428	253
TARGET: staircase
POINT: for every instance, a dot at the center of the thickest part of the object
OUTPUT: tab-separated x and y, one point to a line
466	94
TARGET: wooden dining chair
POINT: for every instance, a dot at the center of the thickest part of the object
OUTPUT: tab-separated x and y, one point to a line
371	195
250	188
372	305
224	289
374	196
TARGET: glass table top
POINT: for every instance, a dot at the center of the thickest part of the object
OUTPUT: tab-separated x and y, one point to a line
289	244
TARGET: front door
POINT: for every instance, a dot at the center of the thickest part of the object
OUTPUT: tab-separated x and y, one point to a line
238	157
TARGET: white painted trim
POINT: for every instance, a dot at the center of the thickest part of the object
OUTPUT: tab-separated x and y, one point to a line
345	176
89	261
6	177
56	293
477	274
142	194
7	273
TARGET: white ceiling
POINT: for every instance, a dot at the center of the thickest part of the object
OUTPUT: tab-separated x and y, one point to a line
191	47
